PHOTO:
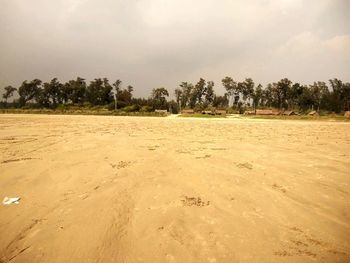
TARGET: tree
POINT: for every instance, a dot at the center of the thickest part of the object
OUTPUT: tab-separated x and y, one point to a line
124	96
340	95
231	88
198	92
282	89
9	90
178	97
247	89
99	92
318	91
53	90
257	96
209	93
116	86
187	89
159	98
221	101
294	94
74	90
28	91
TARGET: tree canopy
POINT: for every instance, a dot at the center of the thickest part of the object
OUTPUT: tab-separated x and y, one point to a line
283	94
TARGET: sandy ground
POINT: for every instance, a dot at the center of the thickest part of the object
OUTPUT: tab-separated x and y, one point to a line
129	189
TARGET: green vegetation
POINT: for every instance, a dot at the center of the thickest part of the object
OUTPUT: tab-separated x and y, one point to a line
332	117
101	97
199	115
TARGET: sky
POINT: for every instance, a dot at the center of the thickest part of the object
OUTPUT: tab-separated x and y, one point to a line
160	43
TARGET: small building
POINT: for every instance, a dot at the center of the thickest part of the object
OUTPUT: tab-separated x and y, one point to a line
289	113
313	113
220	112
267	112
347	114
208	112
249	112
190	111
161	112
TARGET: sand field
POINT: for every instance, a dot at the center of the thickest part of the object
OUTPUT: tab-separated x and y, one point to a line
140	189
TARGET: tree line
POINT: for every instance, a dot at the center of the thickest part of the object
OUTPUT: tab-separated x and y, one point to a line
240	95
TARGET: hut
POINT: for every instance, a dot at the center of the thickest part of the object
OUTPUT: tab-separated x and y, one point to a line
187	111
289	113
267	112
313	113
220	112
162	112
208	112
347	114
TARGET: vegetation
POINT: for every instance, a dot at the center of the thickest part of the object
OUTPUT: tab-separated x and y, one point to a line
284	95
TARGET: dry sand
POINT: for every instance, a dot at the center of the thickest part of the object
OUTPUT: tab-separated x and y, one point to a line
129	189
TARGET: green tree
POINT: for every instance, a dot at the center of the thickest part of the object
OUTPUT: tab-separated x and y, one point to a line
282	89
9	90
53	90
198	92
74	90
159	98
187	89
231	89
318	91
257	96
178	97
209	93
99	92
28	91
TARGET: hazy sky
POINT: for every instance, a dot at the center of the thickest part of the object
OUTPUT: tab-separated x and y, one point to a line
154	43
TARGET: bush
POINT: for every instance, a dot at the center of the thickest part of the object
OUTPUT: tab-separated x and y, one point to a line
146	109
131	108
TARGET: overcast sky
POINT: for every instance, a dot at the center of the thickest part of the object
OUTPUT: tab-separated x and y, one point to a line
154	43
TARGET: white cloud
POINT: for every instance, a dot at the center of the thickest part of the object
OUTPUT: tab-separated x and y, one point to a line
151	43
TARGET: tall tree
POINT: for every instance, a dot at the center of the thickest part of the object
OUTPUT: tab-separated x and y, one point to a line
198	92
318	91
117	84
99	92
178	97
159	98
9	90
282	88
75	90
247	89
231	89
187	89
209	93
28	91
257	96
53	90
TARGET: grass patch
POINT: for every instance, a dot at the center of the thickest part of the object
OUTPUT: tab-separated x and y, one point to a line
302	117
81	111
199	115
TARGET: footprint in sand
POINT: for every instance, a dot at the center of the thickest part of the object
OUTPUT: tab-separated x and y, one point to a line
245	166
279	187
123	164
194	201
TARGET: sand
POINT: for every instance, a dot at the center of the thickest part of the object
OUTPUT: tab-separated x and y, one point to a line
133	189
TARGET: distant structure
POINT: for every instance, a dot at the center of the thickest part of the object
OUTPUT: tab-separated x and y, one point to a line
187	111
289	113
220	112
313	113
162	112
267	112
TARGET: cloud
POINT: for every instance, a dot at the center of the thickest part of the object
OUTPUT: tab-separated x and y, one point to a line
152	43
